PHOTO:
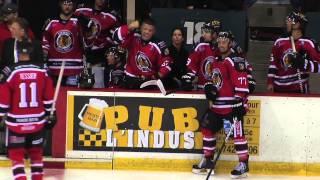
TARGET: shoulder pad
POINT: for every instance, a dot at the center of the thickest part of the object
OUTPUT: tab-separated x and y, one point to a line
316	45
201	46
46	23
4	74
239	63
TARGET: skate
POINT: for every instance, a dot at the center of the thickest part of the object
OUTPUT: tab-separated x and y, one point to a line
240	171
203	167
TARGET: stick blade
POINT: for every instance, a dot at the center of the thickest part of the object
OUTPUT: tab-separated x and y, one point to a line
148	83
161	87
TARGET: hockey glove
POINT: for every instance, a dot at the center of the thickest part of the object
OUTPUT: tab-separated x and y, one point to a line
210	91
186	81
296	61
238	110
51	121
252	85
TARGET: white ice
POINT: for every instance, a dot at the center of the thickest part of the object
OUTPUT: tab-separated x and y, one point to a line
94	174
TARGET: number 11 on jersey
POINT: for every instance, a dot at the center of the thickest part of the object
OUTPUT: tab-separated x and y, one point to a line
23	95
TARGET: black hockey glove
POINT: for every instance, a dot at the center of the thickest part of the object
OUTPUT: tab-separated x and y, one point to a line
252	85
186	81
131	82
296	60
51	121
238	110
210	91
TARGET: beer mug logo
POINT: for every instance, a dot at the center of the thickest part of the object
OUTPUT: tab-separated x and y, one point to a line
92	117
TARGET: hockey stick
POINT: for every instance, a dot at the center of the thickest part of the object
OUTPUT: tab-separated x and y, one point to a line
155	82
223	146
56	91
298	70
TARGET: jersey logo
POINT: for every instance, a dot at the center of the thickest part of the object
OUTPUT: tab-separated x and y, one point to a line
285	59
95	29
63	41
142	61
217	78
207	67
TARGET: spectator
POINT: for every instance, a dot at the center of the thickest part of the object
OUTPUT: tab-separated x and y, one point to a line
147	57
8	12
179	55
19	27
97	37
62	41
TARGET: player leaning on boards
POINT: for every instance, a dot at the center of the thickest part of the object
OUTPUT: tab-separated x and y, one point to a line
25	102
148	58
97	36
202	56
227	93
282	76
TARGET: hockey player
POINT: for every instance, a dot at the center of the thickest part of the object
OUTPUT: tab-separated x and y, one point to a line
25	103
228	92
98	37
200	60
114	72
282	77
148	58
62	41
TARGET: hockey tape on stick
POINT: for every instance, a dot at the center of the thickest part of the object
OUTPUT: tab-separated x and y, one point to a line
235	119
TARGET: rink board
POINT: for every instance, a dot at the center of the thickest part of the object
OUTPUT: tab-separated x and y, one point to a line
282	134
143	122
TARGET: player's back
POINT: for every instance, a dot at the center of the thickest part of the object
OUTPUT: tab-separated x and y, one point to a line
28	91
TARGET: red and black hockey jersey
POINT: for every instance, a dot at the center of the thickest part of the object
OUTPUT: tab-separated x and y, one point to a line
99	35
230	77
26	96
145	58
200	61
64	42
284	77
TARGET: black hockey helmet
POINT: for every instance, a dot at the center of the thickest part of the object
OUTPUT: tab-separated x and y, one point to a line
225	35
118	52
213	26
297	17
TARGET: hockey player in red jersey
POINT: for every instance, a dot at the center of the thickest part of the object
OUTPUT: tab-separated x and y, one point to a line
25	102
97	37
200	60
148	58
282	77
62	41
227	92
